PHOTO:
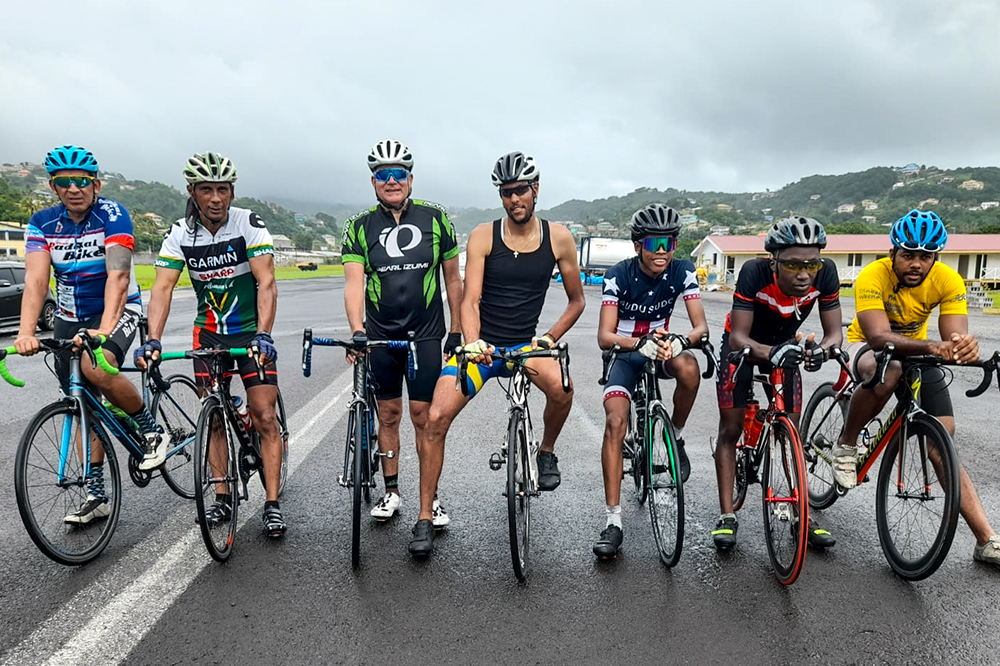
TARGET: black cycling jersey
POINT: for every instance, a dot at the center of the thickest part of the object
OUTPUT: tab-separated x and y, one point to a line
402	263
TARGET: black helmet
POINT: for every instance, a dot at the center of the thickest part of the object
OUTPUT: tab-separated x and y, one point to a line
803	231
655	220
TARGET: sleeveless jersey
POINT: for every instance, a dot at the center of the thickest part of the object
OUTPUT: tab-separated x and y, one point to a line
645	303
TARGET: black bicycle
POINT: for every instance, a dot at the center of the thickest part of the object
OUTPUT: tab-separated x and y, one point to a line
519	448
650	443
52	465
227	447
361	451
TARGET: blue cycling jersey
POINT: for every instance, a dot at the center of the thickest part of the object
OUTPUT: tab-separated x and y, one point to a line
645	303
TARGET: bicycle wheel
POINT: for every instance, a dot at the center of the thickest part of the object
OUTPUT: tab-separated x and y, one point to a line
44	501
176	410
917	498
283	433
741	481
356	432
639	463
666	489
785	495
368	472
822	422
518	493
215	474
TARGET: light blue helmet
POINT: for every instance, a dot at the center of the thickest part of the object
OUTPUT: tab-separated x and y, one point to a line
70	157
919	230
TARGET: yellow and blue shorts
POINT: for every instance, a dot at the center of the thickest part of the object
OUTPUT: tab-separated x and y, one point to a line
477	375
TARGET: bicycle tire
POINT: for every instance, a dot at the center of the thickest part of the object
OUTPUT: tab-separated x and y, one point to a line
818	440
922	561
282	417
639	462
357	433
371	461
218	537
785	500
741	477
518	493
180	425
43	502
666	488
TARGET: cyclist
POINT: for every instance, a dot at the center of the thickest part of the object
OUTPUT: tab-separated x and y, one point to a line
401	245
639	297
895	296
773	297
507	273
230	259
87	241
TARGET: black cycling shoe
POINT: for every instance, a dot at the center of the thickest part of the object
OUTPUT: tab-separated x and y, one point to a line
819	538
422	543
549	477
685	463
274	522
220	511
606	548
724	534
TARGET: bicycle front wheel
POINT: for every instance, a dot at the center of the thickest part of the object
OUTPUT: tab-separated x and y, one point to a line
216	478
822	422
917	498
176	411
52	502
741	479
785	495
518	493
666	489
356	432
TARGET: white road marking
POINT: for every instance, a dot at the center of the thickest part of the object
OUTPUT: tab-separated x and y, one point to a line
120	620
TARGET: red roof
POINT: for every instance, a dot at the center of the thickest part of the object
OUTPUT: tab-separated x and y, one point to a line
865	243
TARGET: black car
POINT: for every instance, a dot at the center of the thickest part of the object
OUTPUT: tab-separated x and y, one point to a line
11	290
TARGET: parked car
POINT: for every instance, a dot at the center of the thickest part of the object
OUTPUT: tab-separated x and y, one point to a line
307	266
11	291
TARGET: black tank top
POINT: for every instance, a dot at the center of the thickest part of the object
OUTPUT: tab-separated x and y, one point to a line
514	289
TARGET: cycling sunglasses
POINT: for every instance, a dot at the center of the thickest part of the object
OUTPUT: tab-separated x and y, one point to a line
926	247
656	243
399	175
795	266
519	190
66	181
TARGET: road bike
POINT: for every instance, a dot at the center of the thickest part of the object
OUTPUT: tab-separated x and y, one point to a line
361	451
519	448
227	449
650	444
918	489
52	465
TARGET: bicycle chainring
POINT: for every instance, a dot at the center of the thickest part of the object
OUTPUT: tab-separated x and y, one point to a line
140	478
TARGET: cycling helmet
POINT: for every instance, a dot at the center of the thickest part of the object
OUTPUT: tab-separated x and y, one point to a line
515	167
389	153
70	157
209	168
796	230
918	230
655	220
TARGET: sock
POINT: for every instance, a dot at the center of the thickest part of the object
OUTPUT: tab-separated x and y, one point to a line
614	514
678	432
269	504
727	515
95	481
392	483
147	423
223	497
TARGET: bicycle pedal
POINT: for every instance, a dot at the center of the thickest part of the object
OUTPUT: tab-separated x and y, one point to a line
341	482
388	454
496	462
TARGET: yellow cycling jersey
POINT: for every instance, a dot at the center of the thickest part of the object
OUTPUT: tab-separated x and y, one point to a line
908	308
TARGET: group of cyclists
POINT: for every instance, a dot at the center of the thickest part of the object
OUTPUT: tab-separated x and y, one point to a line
401	255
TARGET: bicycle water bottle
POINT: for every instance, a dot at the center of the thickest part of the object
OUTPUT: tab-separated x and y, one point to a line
753	421
242	412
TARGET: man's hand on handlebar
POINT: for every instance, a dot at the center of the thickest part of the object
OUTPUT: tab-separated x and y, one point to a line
965	348
655	346
479	352
359	340
814	355
149	352
27	345
543	342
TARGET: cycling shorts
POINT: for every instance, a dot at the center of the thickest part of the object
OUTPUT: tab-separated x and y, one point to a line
625	371
244	365
736	396
118	342
389	367
477	375
934	396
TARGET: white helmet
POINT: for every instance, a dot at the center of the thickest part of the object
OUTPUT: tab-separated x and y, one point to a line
515	167
209	168
388	153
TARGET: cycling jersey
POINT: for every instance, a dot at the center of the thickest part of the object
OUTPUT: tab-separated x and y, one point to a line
219	267
908	308
645	303
77	255
402	263
777	316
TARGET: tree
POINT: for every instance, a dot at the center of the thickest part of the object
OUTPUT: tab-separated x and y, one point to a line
303	240
329	221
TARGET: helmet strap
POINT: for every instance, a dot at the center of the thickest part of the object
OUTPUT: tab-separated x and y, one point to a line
395	208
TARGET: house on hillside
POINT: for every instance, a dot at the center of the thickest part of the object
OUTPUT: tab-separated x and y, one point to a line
927	202
723	206
971	185
986	205
976	257
846	208
910	169
282	242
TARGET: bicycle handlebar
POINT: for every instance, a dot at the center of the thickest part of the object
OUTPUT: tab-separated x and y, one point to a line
608	355
514	355
309	341
91	345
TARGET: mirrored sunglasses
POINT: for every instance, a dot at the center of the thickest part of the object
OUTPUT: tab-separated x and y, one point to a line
519	190
399	175
80	181
793	266
657	243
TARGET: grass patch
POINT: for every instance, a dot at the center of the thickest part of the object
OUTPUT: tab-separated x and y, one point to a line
146	274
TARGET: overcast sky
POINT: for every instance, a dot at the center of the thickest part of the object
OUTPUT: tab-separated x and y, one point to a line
731	95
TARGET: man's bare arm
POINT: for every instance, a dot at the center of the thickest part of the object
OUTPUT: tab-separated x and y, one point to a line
564	248
118	262
262	268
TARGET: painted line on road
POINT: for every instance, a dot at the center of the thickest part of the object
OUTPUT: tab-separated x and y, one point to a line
119	621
